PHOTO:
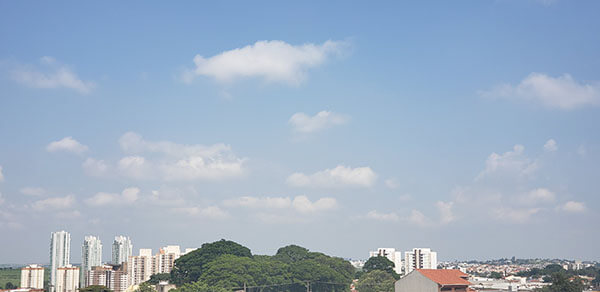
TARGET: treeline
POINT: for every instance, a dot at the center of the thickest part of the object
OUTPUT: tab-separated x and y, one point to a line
225	266
564	280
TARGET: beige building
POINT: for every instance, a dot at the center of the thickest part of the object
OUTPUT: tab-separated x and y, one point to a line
67	279
165	259
32	276
141	267
113	277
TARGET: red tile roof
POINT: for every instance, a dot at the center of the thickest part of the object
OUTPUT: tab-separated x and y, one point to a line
446	277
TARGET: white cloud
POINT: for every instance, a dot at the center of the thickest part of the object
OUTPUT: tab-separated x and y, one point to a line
68	214
32	191
255	202
127	197
57	203
67	144
550	146
304	123
574	207
94	167
1	199
393	217
304	205
212	212
538	196
273	61
445	208
179	162
513	163
418	218
515	215
561	92
338	177
52	75
1	174
392	183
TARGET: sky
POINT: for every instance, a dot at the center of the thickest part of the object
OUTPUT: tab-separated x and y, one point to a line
470	127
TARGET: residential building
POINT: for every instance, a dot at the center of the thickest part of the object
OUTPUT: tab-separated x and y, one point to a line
112	276
60	254
121	250
419	258
427	280
67	279
141	267
164	286
393	255
165	259
32	276
91	256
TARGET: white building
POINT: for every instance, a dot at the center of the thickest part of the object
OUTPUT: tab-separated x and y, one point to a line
32	276
165	259
91	256
60	254
121	250
392	255
141	267
67	279
114	277
419	258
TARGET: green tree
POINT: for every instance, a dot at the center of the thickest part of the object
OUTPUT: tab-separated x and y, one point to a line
189	267
376	281
199	286
292	253
10	285
95	288
156	278
496	275
382	264
561	283
145	287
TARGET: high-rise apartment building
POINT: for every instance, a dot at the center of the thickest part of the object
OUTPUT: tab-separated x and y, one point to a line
419	258
141	267
121	250
392	255
112	276
60	254
67	279
165	259
32	276
91	256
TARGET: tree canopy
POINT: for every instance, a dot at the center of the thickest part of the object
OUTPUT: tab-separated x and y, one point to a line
382	264
376	281
95	288
561	283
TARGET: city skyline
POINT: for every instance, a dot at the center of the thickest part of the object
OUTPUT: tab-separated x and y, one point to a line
340	127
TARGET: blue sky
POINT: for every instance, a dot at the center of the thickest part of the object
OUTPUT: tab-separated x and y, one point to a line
470	127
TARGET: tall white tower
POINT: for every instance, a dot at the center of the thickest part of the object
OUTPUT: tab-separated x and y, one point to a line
60	254
121	250
419	258
91	256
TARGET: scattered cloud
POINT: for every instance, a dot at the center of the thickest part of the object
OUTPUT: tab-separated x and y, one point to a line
418	218
340	176
550	146
211	212
94	167
537	196
51	74
392	217
68	214
272	61
256	202
67	144
127	197
1	174
574	207
561	92
304	205
511	163
178	162
392	183
445	209
32	191
56	203
304	123
1	199
515	215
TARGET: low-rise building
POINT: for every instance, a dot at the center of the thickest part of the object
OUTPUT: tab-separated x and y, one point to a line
430	280
67	279
32	276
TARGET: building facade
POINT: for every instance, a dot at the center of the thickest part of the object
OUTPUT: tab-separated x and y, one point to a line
165	259
91	256
392	255
67	279
113	277
427	280
32	276
141	267
419	258
60	254
121	250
